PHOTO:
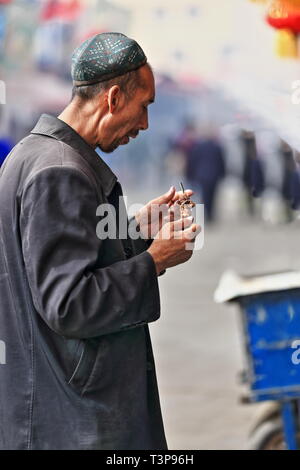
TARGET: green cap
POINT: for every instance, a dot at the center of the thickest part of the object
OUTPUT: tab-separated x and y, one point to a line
105	56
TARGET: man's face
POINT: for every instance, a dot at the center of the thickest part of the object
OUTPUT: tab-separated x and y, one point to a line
131	114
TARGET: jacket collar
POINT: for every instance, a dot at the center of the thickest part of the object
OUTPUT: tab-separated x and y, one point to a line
54	127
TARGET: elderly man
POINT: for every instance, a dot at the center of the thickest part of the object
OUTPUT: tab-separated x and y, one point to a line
75	305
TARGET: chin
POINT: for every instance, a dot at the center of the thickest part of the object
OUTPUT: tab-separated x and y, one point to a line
108	149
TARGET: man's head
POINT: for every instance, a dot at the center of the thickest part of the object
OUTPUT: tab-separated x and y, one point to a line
112	86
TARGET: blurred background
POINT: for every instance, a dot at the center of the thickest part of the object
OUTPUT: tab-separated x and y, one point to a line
226	123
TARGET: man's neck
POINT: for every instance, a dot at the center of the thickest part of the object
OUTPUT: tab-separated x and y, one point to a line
82	120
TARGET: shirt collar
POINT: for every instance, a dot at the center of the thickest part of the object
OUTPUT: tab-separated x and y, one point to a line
58	129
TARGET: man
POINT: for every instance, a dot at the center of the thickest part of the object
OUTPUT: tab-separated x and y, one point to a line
75	306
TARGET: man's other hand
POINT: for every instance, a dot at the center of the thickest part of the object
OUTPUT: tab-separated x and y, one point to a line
174	243
159	211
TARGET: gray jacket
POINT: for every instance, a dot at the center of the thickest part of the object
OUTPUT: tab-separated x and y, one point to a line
77	368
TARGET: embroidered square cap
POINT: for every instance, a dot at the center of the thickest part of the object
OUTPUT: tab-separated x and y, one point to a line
105	56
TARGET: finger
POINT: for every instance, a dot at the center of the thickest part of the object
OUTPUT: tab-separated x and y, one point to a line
165	198
192	232
169	217
179	195
182	223
175	212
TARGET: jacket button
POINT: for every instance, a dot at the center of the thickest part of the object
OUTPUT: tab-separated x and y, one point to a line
149	365
128	252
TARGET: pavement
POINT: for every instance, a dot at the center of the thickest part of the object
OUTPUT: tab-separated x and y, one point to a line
197	343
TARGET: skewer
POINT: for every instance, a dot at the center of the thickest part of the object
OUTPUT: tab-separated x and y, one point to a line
185	203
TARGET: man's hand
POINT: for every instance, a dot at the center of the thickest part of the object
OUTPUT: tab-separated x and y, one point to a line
169	247
159	211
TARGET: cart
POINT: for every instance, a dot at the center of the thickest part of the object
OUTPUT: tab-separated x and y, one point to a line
270	319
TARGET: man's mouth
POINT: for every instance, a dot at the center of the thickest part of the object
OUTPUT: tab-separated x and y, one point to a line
126	138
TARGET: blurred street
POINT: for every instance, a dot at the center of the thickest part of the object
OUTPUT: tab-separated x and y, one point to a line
196	342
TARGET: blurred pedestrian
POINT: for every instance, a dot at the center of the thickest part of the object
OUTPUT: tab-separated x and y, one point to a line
205	169
253	171
290	188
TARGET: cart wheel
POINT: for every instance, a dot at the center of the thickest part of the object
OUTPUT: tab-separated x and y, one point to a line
267	411
268	436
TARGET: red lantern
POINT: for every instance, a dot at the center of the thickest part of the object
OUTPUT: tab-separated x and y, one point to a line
284	15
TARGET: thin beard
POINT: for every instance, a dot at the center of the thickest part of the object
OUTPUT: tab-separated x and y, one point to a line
109	150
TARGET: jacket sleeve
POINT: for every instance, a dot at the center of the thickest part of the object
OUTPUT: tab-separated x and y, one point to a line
141	244
60	248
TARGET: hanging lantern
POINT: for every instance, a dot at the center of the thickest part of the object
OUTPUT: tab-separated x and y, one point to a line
284	15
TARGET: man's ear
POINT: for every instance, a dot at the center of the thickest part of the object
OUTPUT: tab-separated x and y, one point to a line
113	98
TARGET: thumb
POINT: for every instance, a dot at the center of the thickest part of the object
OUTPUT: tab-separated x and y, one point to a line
167	197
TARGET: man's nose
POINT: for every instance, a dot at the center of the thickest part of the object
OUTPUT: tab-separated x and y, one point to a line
144	124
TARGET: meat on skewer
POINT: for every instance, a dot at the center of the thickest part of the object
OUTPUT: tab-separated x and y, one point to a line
186	204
